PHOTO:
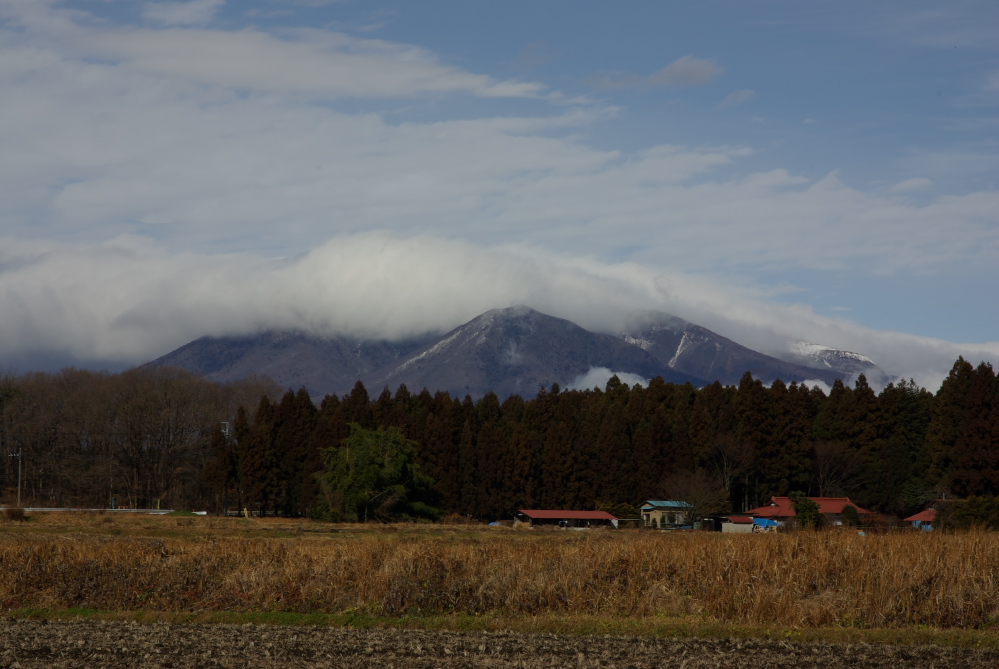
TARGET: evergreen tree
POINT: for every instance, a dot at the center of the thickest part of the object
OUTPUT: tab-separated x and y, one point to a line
754	431
468	462
295	427
257	466
806	511
357	407
975	448
218	469
900	462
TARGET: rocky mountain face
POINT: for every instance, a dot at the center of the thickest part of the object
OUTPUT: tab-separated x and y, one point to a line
292	359
507	351
518	351
692	349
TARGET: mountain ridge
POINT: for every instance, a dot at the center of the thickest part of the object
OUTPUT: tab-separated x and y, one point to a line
513	350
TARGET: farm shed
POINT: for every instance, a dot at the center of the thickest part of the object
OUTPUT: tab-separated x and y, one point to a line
565	518
665	513
737	525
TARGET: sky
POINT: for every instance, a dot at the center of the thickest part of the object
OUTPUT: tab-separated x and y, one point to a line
773	170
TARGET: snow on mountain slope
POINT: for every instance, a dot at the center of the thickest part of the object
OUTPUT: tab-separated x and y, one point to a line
849	364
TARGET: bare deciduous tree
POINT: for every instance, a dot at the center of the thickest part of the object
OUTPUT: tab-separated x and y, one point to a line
836	468
702	491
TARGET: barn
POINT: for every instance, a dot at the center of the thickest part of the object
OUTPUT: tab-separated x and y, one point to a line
565	518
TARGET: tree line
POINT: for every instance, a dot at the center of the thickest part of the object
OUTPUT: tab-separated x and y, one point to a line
89	439
155	435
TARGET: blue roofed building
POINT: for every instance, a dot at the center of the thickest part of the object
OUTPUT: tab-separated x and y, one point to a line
665	513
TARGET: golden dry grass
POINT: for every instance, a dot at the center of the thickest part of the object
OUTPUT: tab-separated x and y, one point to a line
803	580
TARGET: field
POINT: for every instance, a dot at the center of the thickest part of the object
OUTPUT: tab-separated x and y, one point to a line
114	645
782	592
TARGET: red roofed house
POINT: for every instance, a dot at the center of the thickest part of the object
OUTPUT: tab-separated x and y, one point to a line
924	519
563	518
780	509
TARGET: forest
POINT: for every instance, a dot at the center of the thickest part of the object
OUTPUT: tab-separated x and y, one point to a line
162	437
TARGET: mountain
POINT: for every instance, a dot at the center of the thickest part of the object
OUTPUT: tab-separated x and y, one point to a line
695	350
844	363
293	359
508	351
517	351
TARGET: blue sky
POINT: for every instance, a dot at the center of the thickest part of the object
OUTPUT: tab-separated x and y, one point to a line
771	169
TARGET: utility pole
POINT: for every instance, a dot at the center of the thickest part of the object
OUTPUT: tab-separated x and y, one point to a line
227	433
19	458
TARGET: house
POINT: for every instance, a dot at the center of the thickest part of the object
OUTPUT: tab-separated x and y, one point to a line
565	518
923	520
665	513
780	509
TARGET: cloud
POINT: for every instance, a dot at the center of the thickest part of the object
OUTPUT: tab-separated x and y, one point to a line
532	56
129	300
966	24
312	3
97	150
239	194
309	62
916	183
736	98
597	377
686	71
316	63
182	13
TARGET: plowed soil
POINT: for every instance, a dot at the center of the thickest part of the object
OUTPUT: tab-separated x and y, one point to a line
26	644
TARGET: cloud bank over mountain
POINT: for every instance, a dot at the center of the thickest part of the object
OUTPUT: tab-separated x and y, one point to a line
176	169
128	300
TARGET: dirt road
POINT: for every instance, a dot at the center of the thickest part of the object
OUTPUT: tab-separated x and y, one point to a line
25	644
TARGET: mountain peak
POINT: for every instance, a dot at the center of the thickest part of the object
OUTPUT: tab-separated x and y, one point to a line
511	350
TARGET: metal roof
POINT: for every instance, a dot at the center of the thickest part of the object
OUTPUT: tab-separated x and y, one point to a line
561	514
925	516
665	504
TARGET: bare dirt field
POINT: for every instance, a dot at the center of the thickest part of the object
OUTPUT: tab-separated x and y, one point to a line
26	644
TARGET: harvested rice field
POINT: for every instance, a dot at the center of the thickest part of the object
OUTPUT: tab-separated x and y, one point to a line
25	644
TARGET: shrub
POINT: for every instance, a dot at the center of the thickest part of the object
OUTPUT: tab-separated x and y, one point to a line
850	516
973	512
806	510
15	514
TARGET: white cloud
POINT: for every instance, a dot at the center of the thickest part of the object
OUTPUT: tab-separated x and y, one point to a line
130	300
315	63
597	377
966	24
309	62
736	98
230	148
182	13
916	183
686	71
93	150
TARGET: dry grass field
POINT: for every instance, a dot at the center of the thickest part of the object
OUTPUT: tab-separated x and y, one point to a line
796	581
